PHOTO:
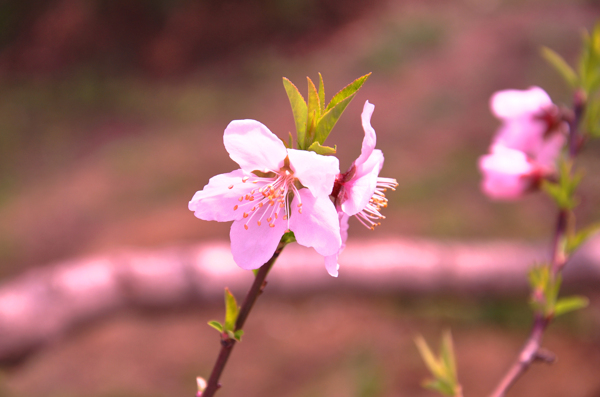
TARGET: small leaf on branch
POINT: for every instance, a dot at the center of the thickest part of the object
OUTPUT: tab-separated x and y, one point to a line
330	118
299	109
569	304
443	368
231	311
347	91
321	93
216	325
323	150
561	66
575	240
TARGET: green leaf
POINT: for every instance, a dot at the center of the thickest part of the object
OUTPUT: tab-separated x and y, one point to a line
447	354
314	103
237	335
216	325
311	126
347	91
321	93
574	241
329	119
323	150
561	66
440	386
569	304
432	363
231	310
299	109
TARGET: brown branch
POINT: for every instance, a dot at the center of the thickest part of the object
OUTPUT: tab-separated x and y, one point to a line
228	343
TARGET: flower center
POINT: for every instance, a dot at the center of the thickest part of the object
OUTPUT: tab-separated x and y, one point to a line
370	215
270	200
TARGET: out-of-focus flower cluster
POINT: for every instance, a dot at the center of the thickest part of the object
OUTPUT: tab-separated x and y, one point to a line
527	145
280	189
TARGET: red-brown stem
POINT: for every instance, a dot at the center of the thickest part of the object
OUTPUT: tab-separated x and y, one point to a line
227	343
530	350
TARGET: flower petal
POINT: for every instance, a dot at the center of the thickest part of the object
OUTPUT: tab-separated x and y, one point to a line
508	104
370	138
253	146
318	225
506	173
549	151
216	202
253	247
314	171
359	190
331	261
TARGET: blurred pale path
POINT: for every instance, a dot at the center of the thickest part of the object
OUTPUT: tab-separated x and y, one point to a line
47	302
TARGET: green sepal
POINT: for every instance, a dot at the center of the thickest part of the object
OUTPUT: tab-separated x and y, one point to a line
569	304
561	66
216	325
443	368
231	311
323	150
299	109
288	237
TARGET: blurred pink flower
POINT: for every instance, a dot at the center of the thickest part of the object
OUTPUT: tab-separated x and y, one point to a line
275	190
360	191
526	145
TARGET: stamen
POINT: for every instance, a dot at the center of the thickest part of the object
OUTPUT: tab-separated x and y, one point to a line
235	207
258	223
230	186
244	179
245	215
246	227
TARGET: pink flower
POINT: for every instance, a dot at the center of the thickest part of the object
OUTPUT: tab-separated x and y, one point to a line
526	145
275	190
360	191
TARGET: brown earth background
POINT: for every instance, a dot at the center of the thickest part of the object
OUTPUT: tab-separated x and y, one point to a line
111	117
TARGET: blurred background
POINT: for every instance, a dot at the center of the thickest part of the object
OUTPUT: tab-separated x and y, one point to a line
112	115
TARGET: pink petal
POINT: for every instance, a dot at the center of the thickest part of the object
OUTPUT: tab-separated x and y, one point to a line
508	104
549	152
314	171
318	225
216	202
370	138
524	133
359	190
506	173
251	145
331	261
254	247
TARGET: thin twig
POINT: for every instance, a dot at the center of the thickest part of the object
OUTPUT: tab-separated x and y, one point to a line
530	351
228	343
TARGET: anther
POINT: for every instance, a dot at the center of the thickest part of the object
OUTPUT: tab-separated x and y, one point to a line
241	199
231	186
258	222
245	215
269	219
299	210
246	227
285	217
235	207
272	225
244	179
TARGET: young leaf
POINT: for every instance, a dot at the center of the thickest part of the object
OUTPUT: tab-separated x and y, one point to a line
299	109
440	386
231	310
432	363
345	92
561	66
237	335
447	354
574	241
321	93
330	118
216	325
314	103
323	150
569	304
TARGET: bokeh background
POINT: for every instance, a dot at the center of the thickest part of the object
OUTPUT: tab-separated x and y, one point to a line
111	117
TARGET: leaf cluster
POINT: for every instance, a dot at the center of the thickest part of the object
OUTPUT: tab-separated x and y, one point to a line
545	287
442	366
231	314
585	78
314	120
563	190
